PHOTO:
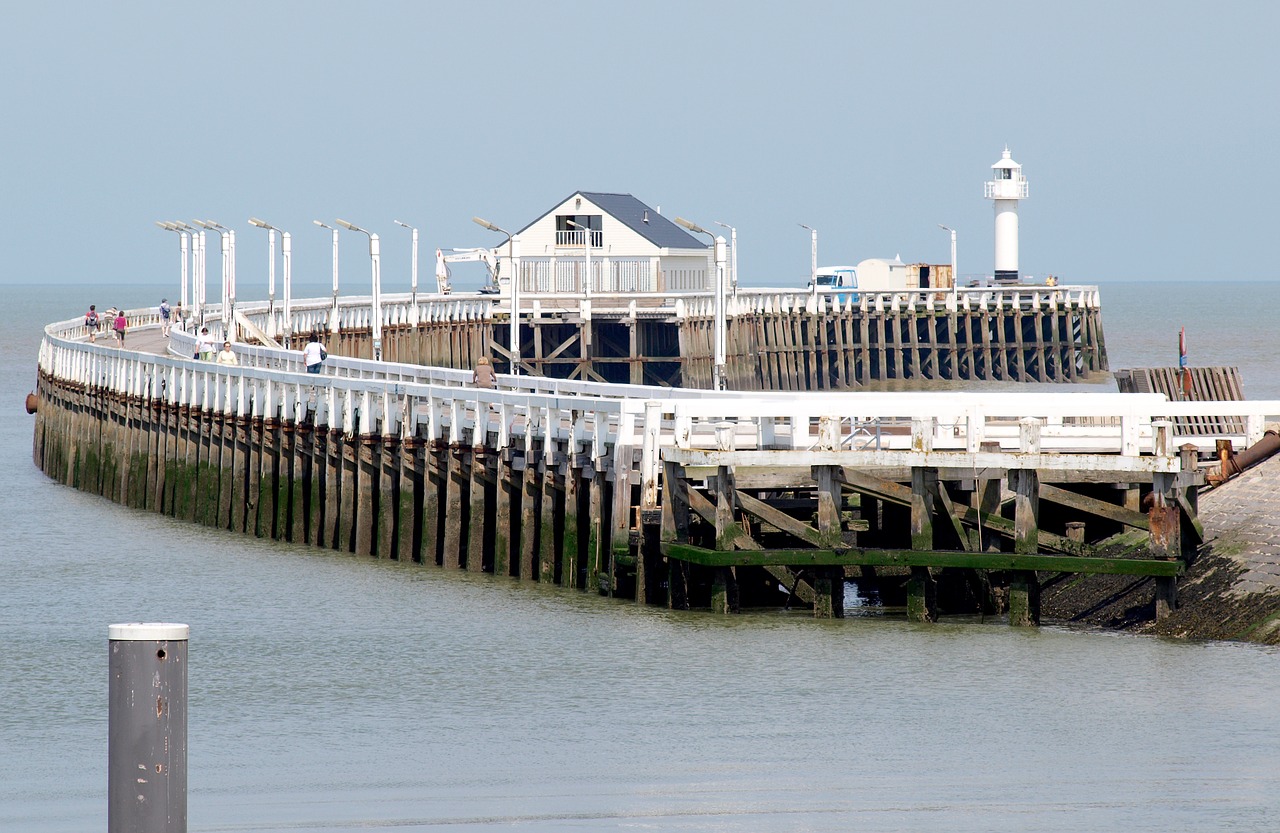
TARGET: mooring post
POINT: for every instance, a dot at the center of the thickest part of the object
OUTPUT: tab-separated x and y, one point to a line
1024	586
828	586
1168	536
675	527
147	728
648	553
922	590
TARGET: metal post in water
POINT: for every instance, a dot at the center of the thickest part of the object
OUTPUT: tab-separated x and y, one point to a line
147	731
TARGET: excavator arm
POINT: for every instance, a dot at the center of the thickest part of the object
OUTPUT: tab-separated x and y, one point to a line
443	259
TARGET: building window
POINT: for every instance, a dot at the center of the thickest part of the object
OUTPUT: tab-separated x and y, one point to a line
571	229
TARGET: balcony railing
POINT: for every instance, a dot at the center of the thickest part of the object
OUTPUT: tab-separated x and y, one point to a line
578	237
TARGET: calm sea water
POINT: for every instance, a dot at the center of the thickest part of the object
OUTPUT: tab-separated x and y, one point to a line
330	693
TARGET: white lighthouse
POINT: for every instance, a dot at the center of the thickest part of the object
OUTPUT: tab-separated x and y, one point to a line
1006	187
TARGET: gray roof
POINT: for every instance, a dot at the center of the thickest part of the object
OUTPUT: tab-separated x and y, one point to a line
629	211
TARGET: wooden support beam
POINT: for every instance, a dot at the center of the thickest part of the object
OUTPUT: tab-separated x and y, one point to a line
1193	519
829	501
707	511
796	558
950	508
922	596
781	520
505	486
878	487
924	492
1094	506
1024	586
791	579
727	528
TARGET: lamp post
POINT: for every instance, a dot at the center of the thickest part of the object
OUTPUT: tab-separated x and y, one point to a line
196	243
733	255
513	337
413	279
813	258
271	273
955	278
286	256
375	259
333	312
181	231
228	240
199	293
718	361
586	253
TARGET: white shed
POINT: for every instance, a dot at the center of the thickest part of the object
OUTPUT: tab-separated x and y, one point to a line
626	245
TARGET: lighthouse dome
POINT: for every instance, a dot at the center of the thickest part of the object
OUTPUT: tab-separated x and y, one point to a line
1006	162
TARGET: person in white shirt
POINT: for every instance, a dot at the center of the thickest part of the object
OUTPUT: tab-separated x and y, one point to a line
204	345
227	355
313	354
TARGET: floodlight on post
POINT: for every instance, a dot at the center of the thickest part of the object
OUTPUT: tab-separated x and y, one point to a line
721	324
190	297
813	257
513	337
413	275
333	312
733	255
182	233
271	273
199	293
227	238
375	261
955	278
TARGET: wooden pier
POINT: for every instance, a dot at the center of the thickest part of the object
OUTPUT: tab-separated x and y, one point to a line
684	498
775	339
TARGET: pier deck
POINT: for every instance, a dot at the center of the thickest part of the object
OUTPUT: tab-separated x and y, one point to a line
687	498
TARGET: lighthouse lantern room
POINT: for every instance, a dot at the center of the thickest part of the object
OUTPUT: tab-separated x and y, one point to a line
1006	187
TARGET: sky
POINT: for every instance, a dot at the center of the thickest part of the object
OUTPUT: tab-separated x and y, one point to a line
1147	131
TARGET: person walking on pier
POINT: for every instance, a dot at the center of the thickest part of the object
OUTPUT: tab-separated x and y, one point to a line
228	356
91	322
204	345
120	326
313	354
484	377
164	317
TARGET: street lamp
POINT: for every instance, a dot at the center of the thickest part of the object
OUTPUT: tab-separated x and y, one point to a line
586	253
513	337
733	254
955	278
182	233
375	258
228	239
286	255
813	258
413	281
718	362
333	313
199	294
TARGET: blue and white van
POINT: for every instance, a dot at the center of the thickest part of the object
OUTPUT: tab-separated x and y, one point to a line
839	277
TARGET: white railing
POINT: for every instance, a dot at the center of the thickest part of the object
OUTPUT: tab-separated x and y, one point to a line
578	237
1101	431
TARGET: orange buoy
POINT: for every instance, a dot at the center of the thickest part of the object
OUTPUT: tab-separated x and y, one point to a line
33	403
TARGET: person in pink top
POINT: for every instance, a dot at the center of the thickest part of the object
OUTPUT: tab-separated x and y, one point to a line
120	326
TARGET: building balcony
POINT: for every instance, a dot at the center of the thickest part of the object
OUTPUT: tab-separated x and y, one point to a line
570	238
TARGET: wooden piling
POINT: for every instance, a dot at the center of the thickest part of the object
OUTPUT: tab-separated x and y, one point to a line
1024	586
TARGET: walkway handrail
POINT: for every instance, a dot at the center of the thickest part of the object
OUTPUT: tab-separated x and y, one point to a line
438	404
